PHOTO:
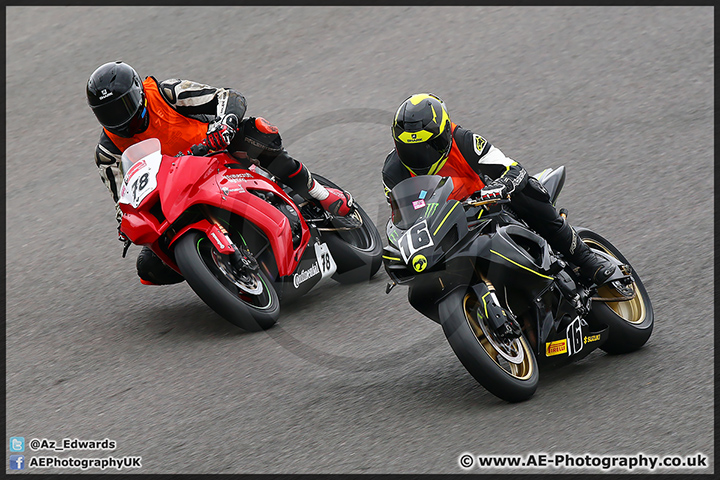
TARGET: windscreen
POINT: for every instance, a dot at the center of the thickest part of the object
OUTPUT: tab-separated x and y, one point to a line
410	198
139	151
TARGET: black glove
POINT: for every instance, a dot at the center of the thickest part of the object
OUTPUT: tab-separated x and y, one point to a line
126	241
221	132
496	189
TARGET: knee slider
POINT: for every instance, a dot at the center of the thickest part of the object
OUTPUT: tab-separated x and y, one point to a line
259	138
534	189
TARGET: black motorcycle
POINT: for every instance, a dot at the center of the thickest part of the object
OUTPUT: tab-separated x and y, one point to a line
506	301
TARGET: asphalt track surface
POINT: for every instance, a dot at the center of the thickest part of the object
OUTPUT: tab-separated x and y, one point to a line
352	380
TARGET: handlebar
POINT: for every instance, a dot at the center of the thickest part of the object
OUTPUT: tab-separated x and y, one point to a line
480	203
199	150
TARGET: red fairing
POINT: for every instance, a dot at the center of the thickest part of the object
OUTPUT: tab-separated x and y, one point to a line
188	180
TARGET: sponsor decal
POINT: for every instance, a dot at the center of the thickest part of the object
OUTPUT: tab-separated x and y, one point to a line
104	94
305	275
591	338
419	263
414	137
418	204
431	207
222	100
479	143
556	348
228	191
238	177
136	166
393	235
217	241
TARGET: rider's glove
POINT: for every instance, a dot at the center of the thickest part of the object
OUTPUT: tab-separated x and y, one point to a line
126	241
495	190
221	132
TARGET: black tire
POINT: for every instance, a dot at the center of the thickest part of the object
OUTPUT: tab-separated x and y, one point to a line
357	252
630	323
477	349
202	266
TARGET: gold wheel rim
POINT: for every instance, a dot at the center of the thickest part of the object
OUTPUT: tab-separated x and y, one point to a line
632	311
522	370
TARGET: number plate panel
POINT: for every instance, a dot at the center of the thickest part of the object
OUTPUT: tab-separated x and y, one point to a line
141	180
325	260
416	238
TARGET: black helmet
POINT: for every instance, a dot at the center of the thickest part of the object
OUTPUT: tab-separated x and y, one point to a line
115	94
422	133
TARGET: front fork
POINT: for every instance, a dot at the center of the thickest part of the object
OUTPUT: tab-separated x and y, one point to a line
240	257
502	321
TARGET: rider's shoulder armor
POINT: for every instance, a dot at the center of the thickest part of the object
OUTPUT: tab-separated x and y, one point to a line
393	171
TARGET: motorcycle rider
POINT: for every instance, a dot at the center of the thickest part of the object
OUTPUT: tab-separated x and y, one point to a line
189	117
428	143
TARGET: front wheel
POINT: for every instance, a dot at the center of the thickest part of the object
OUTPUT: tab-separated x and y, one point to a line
507	369
246	299
357	252
629	322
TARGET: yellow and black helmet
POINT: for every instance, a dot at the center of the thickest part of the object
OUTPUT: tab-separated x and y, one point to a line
422	133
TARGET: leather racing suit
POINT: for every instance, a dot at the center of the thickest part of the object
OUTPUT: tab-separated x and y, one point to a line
472	163
180	112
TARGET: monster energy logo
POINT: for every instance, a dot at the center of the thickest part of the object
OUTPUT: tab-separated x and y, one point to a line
430	209
393	236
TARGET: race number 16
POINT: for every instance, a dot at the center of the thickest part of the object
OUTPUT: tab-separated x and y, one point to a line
574	337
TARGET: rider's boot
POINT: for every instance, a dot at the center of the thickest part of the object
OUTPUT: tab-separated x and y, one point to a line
153	271
334	201
592	267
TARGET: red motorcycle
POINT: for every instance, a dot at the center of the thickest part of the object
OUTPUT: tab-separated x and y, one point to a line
241	239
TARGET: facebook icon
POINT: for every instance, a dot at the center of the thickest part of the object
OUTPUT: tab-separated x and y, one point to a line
17	462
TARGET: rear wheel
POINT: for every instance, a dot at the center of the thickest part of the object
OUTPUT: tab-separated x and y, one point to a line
507	369
629	322
244	298
357	252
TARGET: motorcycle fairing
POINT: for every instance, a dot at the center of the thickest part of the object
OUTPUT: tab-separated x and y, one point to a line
520	247
176	196
573	342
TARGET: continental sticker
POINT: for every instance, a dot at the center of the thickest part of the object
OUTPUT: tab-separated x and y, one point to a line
556	348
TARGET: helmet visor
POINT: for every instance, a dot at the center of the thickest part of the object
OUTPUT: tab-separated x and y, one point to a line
121	110
421	158
138	123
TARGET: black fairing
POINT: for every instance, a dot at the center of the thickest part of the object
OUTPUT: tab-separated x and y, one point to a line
435	250
413	199
425	226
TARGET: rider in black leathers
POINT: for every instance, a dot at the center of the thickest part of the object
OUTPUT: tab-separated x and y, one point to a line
131	110
427	142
